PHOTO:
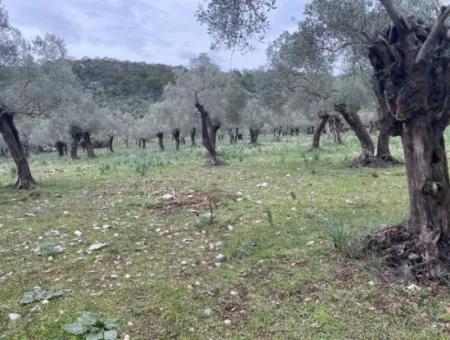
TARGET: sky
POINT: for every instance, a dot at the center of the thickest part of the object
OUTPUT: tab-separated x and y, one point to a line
152	31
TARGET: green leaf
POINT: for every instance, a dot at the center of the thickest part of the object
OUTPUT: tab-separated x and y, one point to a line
88	318
28	297
52	294
114	323
95	336
75	328
110	335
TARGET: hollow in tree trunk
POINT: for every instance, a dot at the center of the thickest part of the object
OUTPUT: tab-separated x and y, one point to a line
367	148
415	79
318	130
208	140
11	136
176	137
160	136
86	136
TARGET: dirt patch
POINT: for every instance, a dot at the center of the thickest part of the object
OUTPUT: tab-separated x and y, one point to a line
196	203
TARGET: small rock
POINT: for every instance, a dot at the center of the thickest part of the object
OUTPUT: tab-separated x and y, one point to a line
126	337
230	227
227	322
234	293
310	243
36	309
97	246
207	312
14	316
168	197
77	233
220	257
262	185
50	258
45	302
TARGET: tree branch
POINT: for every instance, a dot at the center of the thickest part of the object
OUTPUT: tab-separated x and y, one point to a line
437	28
398	19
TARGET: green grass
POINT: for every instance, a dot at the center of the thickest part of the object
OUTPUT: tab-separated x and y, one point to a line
281	276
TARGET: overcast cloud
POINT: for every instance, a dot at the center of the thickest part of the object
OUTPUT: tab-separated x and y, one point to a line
156	31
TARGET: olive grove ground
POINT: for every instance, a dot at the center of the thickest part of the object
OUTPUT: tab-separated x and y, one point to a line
264	267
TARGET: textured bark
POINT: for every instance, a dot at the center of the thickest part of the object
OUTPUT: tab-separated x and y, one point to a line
11	136
413	71
160	136
86	137
3	153
367	148
143	143
176	137
318	130
208	140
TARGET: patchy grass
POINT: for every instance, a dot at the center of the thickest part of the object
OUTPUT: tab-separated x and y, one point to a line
263	267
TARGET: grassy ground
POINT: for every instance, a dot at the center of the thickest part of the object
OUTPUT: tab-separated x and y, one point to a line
161	271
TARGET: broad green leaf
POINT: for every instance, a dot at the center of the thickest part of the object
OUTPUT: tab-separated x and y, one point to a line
114	323
75	328
52	294
95	336
110	335
88	318
28	297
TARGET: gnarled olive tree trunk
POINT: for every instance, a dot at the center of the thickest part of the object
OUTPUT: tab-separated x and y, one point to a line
160	136
76	138
254	133
193	136
367	148
11	136
110	143
334	127
176	137
86	137
414	71
60	148
209	131
318	130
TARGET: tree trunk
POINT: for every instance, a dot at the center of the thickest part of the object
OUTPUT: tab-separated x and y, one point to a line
3	153
208	140
193	135
11	136
320	126
110	143
367	148
160	136
125	140
176	137
334	124
88	144
143	143
231	135
74	146
60	148
413	69
213	129
254	133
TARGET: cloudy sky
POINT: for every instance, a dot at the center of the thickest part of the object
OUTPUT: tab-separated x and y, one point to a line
159	31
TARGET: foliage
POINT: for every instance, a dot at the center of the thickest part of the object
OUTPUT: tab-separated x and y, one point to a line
90	325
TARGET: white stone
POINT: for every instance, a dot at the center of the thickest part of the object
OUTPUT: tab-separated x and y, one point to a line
14	316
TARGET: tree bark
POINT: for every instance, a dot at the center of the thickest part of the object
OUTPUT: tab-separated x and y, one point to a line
11	136
86	136
160	136
413	70
176	137
254	133
231	135
367	148
76	138
193	136
334	124
208	140
320	126
60	148
3	153
110	143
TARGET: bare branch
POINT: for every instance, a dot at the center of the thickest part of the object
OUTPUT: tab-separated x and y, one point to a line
437	28
398	19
